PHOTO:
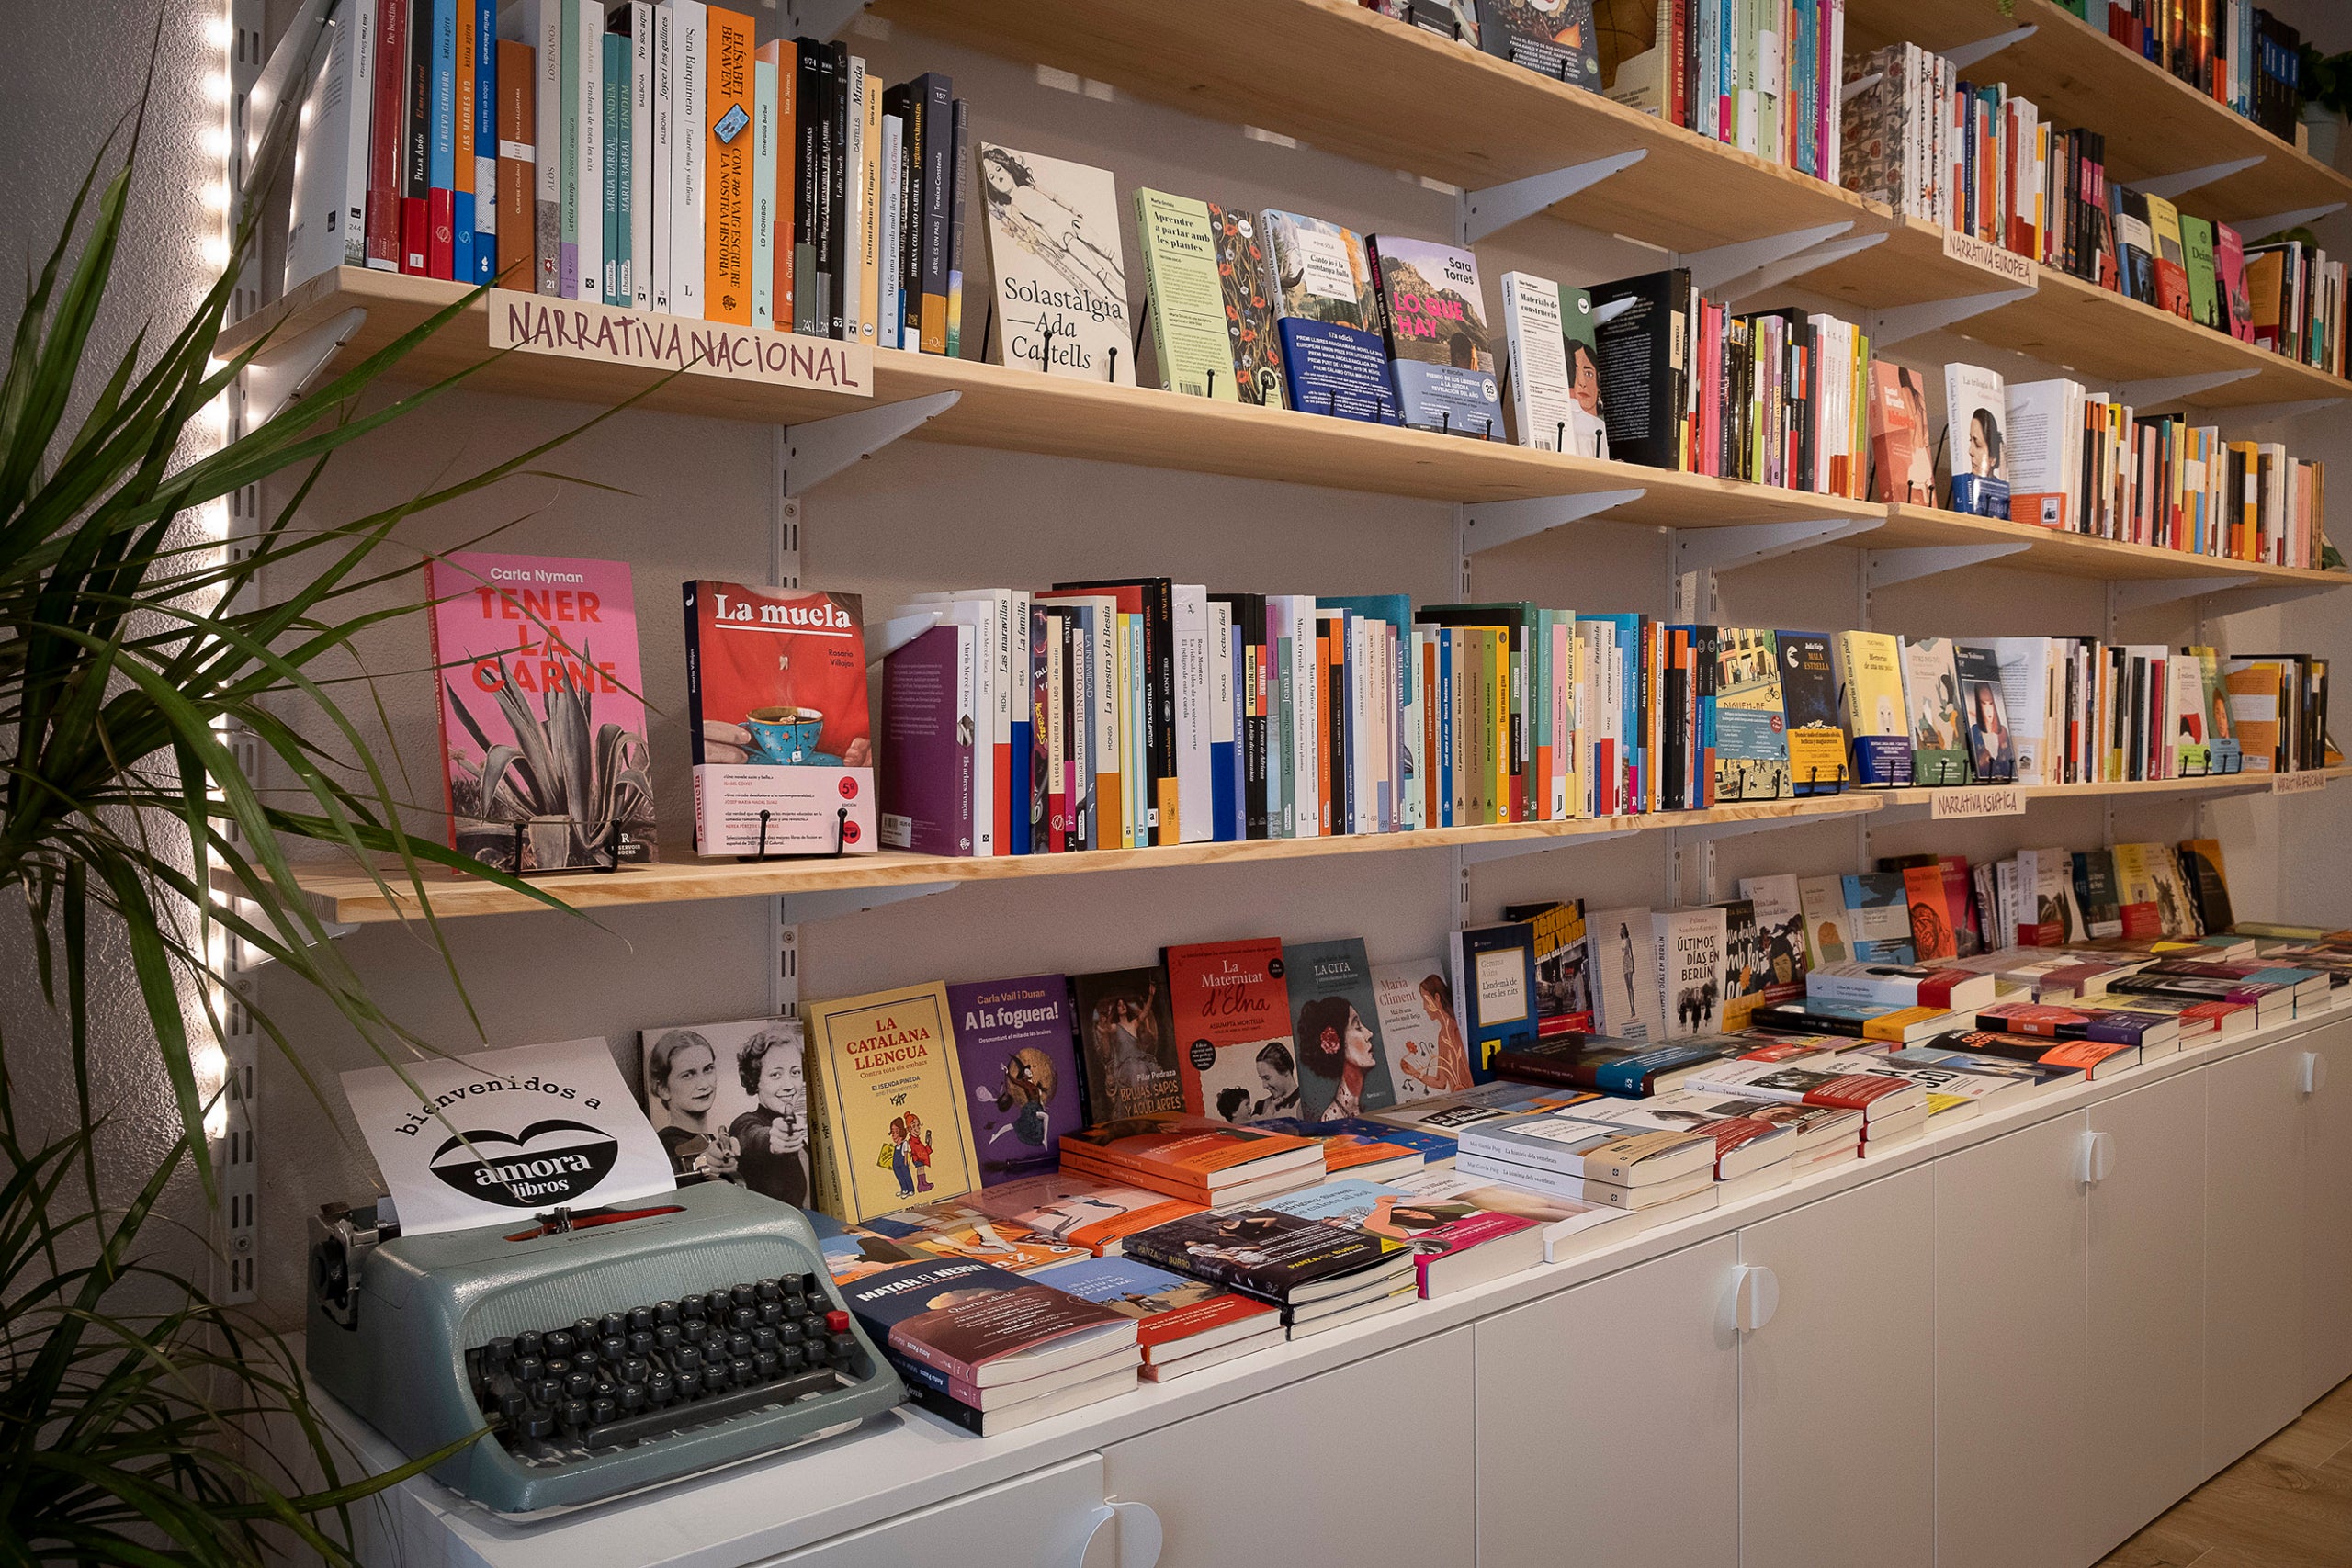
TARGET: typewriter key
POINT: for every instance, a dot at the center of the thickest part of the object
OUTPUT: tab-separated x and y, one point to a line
844	1349
641	1342
687	1358
742	1317
512	1403
665	1311
640	1319
742	1295
714	1378
573	1414
583	1331
530	1369
530	1345
764	1365
611	1324
769	1291
764	1338
739	1367
632	1398
577	1384
771	1313
534	1424
660	1388
498	1352
547	1390
603	1411
558	1343
739	1343
612	1346
666	1337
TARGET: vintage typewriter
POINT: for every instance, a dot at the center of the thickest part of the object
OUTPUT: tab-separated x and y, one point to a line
606	1351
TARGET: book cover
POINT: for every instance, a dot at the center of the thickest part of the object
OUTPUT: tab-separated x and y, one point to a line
1269	1255
890	1102
545	763
1536	363
1747	978
1751	731
1245	267
1086	1212
1019	1061
730	1101
1692	946
1975	404
1643	332
1128	1043
1419	1030
1623	964
2097	894
1563	1220
929	744
1196	1154
2171	257
1326	317
1984	706
777	721
1551	38
958	1227
1938	732
1432	1228
1779	934
1230	1008
517	163
1903	450
1563	978
1870	673
1186	295
1810	725
2208	886
1061	277
1878	918
727	168
1344	1065
1170	1309
1494	990
1433	314
970	1319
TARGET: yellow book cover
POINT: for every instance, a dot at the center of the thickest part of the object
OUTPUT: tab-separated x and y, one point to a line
1504	689
889	1103
726	189
869	221
1891	1025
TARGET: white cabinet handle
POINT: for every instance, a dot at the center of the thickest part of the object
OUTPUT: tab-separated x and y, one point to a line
2094	1158
1118	1535
1754	1298
2315	1072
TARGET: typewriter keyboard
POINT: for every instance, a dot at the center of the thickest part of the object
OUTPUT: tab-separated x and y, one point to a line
555	1394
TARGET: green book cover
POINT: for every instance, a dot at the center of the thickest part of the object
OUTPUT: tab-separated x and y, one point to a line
2197	245
615	125
1185	295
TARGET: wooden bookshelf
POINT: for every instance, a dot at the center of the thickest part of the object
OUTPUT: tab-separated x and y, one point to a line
2155	124
351	897
2074	555
2223	783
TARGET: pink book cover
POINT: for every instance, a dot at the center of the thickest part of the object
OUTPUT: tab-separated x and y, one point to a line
1456	1235
545	764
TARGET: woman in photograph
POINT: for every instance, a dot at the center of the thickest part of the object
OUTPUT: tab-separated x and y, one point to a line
1336	1045
1984	445
1047	227
683	1072
773	1135
1991	751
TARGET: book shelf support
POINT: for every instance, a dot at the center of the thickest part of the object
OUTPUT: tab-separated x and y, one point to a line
1796	266
2171	186
284	370
1712	267
818	450
1900	322
1968	55
1488	524
2171	388
2261	596
2130	596
832	903
822	19
1746	544
1887	567
1482	212
2256	228
2243	415
1511	849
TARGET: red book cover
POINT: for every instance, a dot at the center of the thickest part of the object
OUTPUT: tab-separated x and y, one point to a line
388	123
440	257
416	237
1188	1151
1932	936
1234	1048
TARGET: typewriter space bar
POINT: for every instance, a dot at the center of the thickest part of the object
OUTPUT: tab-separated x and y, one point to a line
711	1408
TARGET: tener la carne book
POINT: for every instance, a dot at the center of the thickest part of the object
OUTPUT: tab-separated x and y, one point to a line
889	1103
545	763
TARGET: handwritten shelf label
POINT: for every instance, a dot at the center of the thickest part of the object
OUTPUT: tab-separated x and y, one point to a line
605	334
1995	259
2299	784
1978	800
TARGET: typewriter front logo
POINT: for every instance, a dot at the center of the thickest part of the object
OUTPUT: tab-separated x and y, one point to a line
548	1163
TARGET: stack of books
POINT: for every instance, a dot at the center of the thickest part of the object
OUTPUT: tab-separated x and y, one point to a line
1658	1176
1322	1276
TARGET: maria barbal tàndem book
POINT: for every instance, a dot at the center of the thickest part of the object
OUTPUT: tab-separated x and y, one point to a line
545	763
777	721
1061	276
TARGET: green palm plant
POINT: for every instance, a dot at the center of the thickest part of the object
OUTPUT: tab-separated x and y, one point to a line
129	649
585	782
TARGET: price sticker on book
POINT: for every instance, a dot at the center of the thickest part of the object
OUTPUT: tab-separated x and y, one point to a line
2299	784
1979	800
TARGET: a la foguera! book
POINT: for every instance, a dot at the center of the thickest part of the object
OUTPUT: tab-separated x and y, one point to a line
1441	358
545	763
892	1129
1061	275
777	721
1020	1065
1419	1030
1231	1009
1343	1068
1128	1043
1326	319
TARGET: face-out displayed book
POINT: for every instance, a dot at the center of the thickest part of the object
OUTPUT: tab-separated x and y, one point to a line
1195	329
1751	731
1606	1065
1231	1012
777	721
1441	357
1551	38
1127	1042
1939	733
730	1101
1320	1275
1975	407
1061	274
1020	1065
1182	1325
892	1126
1869	676
1553	367
1902	448
1878	917
1563	985
1494	990
1624	962
1779	933
1419	1030
988	1350
1812	731
1195	1157
1689	960
1327	318
1455	1244
1343	1061
545	764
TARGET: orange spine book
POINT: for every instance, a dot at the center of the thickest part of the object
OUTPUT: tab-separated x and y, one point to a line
517	163
726	149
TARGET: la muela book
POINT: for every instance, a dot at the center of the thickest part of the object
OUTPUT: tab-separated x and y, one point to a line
777	721
545	763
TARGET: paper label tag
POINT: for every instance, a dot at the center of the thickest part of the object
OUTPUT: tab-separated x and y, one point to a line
2299	784
1993	258
607	334
1977	800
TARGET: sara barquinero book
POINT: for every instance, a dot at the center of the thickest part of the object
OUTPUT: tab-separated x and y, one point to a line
545	763
1870	677
1690	946
1751	732
730	1100
1419	1030
1128	1043
1343	1069
891	1124
1939	733
1231	1010
1494	990
777	721
1441	358
1327	315
1975	410
1186	296
1020	1064
1061	277
1623	964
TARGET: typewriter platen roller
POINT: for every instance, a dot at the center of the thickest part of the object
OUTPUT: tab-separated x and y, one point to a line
606	1352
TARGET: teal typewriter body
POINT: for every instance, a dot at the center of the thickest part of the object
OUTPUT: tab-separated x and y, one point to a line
605	1352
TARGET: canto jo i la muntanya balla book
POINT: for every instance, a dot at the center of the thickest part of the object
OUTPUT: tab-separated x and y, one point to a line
1061	277
544	757
776	710
1327	311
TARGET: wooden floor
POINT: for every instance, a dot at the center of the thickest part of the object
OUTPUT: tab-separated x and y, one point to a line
2286	1505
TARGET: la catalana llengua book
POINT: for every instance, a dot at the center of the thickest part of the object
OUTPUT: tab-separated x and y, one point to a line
889	1103
544	758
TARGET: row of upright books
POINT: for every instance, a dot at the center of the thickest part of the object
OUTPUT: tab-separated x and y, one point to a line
649	155
2233	51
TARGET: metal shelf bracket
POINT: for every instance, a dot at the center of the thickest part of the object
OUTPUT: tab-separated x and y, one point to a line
284	371
1512	848
832	903
887	638
818	450
1490	525
1968	55
1746	544
2255	229
2170	185
2130	596
1904	322
1711	268
2261	596
1796	266
1888	566
2272	413
2171	388
1483	212
822	19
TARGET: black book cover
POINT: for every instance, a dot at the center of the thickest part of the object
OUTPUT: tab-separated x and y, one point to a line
937	94
1159	602
1260	1252
1551	38
840	244
416	166
1644	335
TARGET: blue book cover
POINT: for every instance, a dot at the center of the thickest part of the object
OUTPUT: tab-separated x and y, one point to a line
1127	1285
1344	1203
1441	357
1628	1076
1880	919
485	191
1327	317
1494	991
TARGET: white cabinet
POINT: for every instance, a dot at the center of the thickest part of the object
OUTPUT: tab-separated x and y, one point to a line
2144	1437
2009	1351
1839	1384
1369	1465
2327	1219
1051	1518
1608	1420
2255	1368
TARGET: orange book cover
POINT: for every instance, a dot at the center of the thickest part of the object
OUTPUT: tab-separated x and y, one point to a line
517	121
1231	1004
2087	1055
1183	1148
786	57
1431	810
726	148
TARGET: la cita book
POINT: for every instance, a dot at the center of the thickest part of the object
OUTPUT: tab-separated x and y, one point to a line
1343	1069
1231	1010
1441	358
890	1102
1128	1044
1019	1061
1061	276
545	764
777	721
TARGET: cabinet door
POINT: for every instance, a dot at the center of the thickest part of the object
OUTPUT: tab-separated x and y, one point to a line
1609	1420
2146	1409
1050	1518
2327	1228
1368	1464
1839	1384
2010	1299
2254	1249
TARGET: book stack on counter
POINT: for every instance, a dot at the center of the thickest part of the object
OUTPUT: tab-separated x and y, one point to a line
1455	1244
1204	1161
1753	1152
1656	1177
1322	1276
1182	1325
1893	1111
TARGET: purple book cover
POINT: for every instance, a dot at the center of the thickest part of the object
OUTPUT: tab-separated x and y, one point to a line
926	785
1020	1062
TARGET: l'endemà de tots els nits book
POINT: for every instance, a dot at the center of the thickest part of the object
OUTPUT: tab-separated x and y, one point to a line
1441	358
1061	276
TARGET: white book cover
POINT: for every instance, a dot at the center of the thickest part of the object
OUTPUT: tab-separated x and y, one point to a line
2029	691
1975	409
1196	815
1779	930
2046	892
644	185
327	216
660	159
1622	951
1536	363
1052	235
853	216
588	60
891	314
980	613
1690	962
1821	901
2045	452
690	33
764	109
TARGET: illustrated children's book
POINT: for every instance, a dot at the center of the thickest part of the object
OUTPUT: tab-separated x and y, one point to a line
1061	277
1232	1010
1020	1066
545	763
1418	1029
892	1125
1128	1042
776	718
730	1100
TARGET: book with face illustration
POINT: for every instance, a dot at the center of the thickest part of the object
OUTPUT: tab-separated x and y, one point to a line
1061	275
1931	692
1344	1067
1975	413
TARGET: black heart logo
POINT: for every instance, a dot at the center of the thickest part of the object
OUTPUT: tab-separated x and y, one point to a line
546	1164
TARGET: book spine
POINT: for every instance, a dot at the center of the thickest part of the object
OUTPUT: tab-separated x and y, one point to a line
869	213
547	200
462	165
688	167
663	157
388	120
763	188
613	157
485	19
441	145
727	157
360	111
517	163
841	211
807	163
416	142
587	65
643	189
960	164
567	86
787	198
